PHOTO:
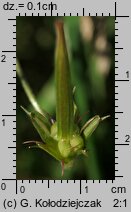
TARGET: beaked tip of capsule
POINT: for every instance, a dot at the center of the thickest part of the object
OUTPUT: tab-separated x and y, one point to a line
105	117
59	24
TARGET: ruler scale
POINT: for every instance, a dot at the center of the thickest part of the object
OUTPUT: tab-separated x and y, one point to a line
65	194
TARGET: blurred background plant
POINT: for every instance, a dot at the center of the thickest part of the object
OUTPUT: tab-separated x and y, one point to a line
91	50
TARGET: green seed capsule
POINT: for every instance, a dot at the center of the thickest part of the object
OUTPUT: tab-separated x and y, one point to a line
64	148
77	143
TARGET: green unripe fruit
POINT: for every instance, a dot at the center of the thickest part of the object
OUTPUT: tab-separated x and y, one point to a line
64	148
77	143
69	149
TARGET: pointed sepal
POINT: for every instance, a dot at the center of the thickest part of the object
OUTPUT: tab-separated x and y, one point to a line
91	125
